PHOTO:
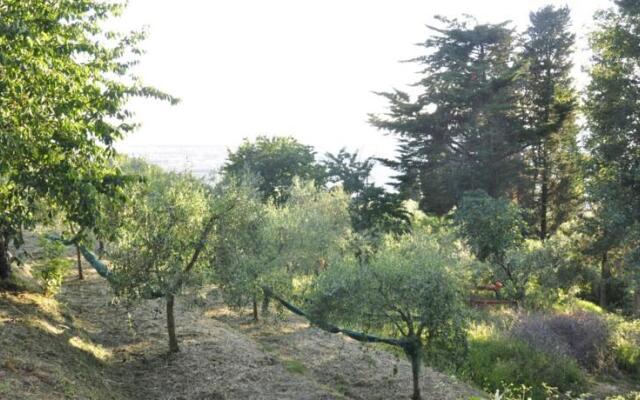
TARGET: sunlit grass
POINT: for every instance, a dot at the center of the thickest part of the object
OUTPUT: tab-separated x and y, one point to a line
46	326
97	351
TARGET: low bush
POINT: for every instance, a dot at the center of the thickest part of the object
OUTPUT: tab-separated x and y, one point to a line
496	361
572	304
52	275
582	336
626	339
50	249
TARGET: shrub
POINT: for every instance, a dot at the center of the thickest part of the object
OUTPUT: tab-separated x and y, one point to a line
50	248
52	275
496	361
626	339
573	304
489	226
582	336
406	290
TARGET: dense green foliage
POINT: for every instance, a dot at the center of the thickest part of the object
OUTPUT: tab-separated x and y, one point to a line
626	339
494	193
64	84
269	246
551	174
407	290
490	226
497	361
462	132
163	238
614	145
276	162
373	209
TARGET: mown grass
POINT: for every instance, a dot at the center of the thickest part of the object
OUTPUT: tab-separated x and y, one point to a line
294	366
45	355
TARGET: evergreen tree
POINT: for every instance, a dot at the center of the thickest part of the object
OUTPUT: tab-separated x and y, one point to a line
613	116
373	209
463	132
550	186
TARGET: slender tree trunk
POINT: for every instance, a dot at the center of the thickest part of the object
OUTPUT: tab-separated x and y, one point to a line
100	249
255	309
266	300
5	260
605	274
415	374
544	193
79	260
171	326
636	303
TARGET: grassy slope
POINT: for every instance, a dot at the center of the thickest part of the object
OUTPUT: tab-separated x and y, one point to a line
46	354
82	346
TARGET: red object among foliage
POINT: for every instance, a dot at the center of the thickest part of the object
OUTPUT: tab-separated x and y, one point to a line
493	287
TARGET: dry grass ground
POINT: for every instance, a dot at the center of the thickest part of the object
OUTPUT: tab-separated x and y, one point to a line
46	354
83	346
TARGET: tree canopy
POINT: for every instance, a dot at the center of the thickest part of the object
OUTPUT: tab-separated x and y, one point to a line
64	84
276	162
462	132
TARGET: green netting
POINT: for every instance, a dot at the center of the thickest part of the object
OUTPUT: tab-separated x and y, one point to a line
327	327
100	267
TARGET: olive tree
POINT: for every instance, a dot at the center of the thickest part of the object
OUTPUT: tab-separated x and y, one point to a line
275	246
240	247
406	295
161	242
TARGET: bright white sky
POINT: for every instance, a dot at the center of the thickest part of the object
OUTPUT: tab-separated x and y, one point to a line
292	67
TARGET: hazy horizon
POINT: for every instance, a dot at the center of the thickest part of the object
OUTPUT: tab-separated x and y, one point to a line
301	69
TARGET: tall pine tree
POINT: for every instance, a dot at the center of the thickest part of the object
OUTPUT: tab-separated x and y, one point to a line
550	187
613	116
464	131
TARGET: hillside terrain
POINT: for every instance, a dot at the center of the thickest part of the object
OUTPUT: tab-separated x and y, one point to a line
83	345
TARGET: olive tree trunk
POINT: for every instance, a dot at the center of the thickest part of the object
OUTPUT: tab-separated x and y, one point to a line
79	261
415	376
5	259
266	301
256	318
413	350
171	326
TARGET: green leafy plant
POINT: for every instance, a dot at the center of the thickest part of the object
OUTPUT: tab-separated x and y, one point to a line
496	361
626	340
64	88
277	246
405	292
162	239
52	275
